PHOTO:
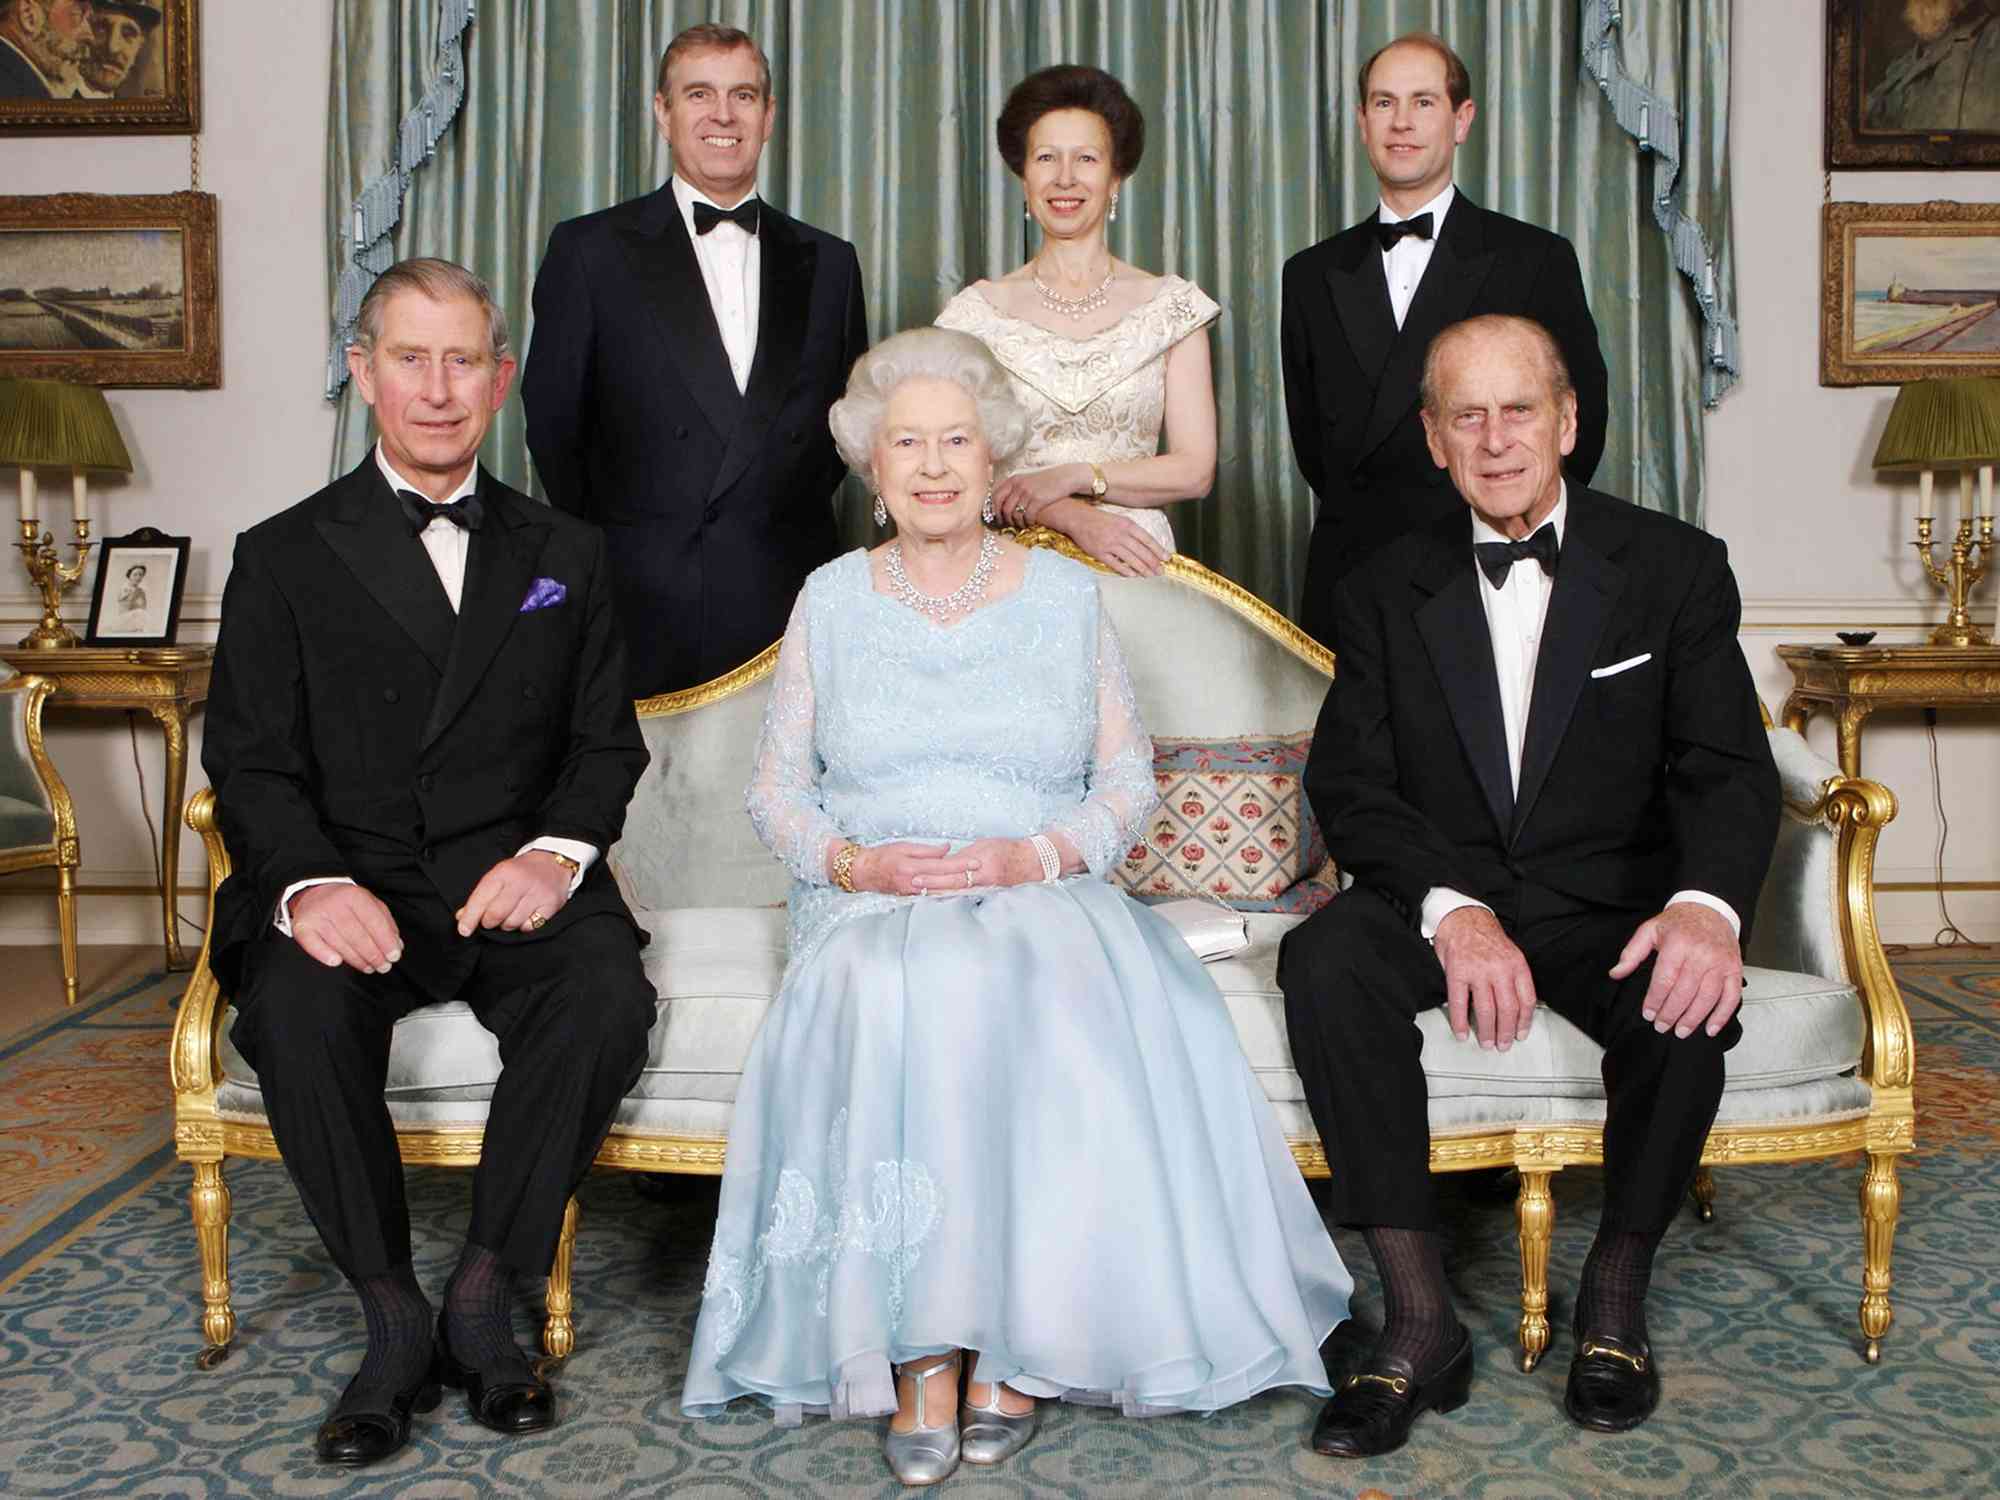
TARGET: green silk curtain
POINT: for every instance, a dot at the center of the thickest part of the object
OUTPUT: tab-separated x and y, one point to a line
884	137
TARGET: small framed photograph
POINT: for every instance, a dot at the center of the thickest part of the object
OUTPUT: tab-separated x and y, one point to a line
110	291
1912	83
87	67
140	579
1908	290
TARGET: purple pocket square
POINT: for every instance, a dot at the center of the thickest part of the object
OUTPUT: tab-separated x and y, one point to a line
544	593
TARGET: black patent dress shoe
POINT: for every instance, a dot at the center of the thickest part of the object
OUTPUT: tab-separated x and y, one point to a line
1613	1385
500	1400
371	1431
1372	1411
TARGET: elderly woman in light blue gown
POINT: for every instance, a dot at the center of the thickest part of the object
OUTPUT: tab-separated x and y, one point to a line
997	1116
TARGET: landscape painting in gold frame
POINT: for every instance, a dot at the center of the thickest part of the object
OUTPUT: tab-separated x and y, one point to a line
1907	291
82	67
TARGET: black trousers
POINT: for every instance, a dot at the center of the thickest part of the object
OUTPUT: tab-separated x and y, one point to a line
1355	976
571	1013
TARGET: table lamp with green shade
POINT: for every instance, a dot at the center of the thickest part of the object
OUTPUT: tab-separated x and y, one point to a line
49	423
1951	423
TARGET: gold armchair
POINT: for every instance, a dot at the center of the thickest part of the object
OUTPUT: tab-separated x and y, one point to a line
37	820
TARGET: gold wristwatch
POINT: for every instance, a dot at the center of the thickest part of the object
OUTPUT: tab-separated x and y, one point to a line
565	861
1097	484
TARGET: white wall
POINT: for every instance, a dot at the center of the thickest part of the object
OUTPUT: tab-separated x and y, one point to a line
208	463
1817	539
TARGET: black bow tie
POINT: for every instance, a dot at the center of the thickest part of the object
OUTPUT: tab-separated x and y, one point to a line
1497	559
466	513
743	216
1388	234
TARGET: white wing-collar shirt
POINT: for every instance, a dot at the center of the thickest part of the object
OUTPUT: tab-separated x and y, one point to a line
1405	262
731	261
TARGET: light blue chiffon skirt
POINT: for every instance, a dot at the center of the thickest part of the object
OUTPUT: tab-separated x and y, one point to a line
1016	1121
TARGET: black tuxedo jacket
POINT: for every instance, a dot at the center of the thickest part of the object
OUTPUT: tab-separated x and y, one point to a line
356	727
1351	376
1648	780
715	503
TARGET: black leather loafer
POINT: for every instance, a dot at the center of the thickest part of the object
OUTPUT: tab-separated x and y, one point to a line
366	1435
1613	1386
1371	1413
509	1405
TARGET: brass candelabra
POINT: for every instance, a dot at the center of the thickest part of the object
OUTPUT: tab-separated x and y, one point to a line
53	577
1958	577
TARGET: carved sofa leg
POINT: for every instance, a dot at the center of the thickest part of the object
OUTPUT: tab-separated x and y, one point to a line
1703	1191
1881	1200
1535	1211
559	1331
66	928
209	1199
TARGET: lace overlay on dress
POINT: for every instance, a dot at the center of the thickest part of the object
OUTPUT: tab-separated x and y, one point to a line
1100	399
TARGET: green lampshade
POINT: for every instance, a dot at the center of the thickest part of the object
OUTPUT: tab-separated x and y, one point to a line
1942	424
61	425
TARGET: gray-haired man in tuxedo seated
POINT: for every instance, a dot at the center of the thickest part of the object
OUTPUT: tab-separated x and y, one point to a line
1543	764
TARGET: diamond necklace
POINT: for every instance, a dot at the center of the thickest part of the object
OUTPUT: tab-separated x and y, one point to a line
1074	307
961	599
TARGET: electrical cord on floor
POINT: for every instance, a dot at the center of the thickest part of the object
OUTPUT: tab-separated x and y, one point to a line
146	812
1950	935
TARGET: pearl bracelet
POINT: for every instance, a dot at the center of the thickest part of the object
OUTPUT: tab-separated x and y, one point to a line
1045	851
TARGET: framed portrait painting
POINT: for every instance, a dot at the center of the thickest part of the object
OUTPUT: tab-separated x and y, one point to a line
140	580
1908	290
1913	83
110	291
129	67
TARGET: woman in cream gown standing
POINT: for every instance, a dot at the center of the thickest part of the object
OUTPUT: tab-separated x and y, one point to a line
1102	354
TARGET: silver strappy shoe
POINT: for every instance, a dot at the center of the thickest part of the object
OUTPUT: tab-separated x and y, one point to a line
989	1435
925	1454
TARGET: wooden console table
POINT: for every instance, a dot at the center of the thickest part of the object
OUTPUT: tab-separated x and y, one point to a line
1851	682
168	682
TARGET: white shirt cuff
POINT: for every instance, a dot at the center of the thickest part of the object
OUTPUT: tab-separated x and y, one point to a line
574	849
283	920
1713	903
1440	902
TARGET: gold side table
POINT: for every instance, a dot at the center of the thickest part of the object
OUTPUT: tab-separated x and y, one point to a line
168	682
1852	682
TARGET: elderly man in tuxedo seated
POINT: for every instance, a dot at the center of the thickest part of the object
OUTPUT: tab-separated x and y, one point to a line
1543	764
421	744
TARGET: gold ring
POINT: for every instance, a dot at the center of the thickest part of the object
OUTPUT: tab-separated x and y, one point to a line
537	922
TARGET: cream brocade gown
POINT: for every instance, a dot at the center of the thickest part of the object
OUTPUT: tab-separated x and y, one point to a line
1098	399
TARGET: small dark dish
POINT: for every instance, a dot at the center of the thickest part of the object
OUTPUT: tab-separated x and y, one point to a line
1855	637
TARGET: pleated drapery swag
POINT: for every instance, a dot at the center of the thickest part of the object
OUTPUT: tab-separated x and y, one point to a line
885	137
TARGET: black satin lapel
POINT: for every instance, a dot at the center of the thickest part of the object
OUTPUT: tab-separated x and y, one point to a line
1360	295
784	298
367	532
674	298
1444	296
1454	630
1587	586
499	564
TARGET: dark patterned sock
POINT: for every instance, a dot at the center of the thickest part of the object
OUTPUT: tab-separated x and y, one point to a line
1611	1297
1418	1322
479	1317
399	1340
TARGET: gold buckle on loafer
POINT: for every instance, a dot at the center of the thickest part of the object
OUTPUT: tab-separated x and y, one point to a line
1396	1383
1637	1363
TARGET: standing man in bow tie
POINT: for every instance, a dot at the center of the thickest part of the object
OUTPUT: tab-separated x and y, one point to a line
421	746
1361	308
1543	764
686	348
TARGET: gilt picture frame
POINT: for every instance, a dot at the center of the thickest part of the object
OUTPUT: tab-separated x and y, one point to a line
97	67
1908	290
1912	84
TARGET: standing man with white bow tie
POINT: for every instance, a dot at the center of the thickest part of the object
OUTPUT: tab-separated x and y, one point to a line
1361	308
686	348
1543	764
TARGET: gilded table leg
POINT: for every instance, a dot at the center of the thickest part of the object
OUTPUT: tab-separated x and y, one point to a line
1703	1190
66	928
1881	1200
559	1332
1535	1210
1852	717
172	718
1795	713
210	1201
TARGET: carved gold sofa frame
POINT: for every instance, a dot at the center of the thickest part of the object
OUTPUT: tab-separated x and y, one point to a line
37	818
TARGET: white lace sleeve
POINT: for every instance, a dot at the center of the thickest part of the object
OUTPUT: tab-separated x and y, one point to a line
783	797
1120	795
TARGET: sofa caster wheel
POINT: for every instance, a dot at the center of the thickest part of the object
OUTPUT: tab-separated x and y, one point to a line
211	1355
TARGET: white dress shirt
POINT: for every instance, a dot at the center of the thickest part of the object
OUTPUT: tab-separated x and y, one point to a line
732	263
1515	612
446	543
1404	262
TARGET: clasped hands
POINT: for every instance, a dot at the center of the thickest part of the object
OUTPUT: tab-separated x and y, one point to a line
907	869
1048	497
340	923
1697	974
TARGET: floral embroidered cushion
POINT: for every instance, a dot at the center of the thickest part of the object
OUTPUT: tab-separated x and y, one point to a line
1232	826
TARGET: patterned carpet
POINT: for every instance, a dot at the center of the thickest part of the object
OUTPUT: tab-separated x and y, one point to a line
1753	1316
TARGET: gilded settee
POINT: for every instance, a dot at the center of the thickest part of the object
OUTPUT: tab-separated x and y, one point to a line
1825	1066
37	818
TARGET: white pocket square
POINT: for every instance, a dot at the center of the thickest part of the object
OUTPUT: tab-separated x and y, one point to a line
1622	666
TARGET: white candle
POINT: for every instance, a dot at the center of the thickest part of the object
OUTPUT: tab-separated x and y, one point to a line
1925	479
79	483
1965	497
1986	489
27	493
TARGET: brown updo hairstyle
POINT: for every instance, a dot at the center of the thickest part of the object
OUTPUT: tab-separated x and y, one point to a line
1071	86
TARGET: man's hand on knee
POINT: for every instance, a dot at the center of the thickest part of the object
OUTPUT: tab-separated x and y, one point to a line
340	923
1697	975
522	892
1485	978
